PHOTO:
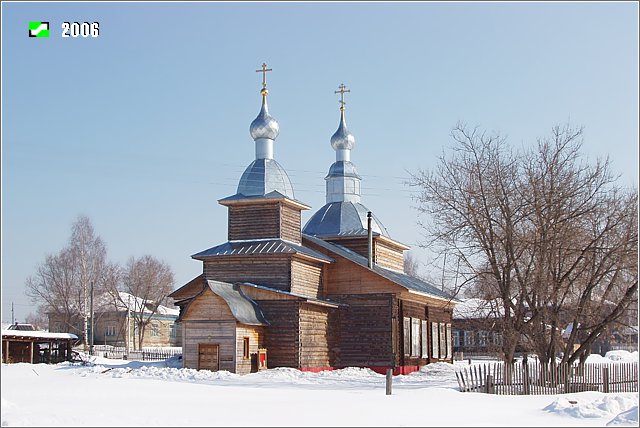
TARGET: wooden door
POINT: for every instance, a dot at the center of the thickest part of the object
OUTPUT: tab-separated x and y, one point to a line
208	357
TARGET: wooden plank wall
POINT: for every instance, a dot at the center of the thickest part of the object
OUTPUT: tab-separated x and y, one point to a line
306	278
387	256
290	219
254	221
365	330
314	336
346	277
208	319
282	337
383	254
262	269
359	244
214	332
255	335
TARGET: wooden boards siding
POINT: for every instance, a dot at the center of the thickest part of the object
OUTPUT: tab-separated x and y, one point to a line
221	333
314	336
388	256
208	307
365	330
306	278
254	221
262	269
290	219
282	336
255	335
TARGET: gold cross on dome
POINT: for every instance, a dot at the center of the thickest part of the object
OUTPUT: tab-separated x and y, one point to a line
264	74
342	90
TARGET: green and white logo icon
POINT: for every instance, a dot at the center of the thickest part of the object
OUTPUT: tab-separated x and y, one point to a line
38	29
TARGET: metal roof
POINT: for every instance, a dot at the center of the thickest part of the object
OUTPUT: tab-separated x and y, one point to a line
264	176
261	246
399	278
243	308
342	218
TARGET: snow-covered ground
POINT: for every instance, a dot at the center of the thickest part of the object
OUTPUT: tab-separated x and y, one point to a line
127	393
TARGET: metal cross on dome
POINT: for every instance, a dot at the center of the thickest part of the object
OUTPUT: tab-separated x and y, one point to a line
264	74
342	90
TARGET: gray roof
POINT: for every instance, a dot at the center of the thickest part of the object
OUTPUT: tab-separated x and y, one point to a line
243	308
342	218
260	246
399	278
264	176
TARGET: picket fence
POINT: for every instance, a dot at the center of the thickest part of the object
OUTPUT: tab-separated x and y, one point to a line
146	354
535	378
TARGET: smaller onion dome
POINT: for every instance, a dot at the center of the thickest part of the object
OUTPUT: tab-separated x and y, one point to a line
342	139
264	125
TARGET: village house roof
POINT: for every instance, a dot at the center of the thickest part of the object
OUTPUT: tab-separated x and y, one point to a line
261	246
478	309
408	282
37	334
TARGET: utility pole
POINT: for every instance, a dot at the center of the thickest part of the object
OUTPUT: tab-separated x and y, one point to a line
13	318
92	325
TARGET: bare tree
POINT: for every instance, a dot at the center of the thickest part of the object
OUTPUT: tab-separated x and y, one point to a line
552	237
146	282
62	282
89	253
55	286
411	265
474	209
582	247
38	318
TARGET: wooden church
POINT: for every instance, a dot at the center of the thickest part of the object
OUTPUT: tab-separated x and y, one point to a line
330	295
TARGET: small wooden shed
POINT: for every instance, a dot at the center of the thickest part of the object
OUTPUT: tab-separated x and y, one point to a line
19	346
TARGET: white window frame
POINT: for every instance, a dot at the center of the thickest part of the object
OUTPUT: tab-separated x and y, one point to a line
424	349
415	337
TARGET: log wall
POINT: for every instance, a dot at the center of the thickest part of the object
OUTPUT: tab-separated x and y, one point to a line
306	278
314	336
282	337
365	329
254	221
262	269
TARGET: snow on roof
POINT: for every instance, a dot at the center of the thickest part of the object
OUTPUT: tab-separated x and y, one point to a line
478	308
107	301
38	334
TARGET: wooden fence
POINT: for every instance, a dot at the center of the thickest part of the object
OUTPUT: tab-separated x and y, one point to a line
146	354
535	378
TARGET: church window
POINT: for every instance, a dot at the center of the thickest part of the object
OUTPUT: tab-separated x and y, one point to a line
425	343
245	348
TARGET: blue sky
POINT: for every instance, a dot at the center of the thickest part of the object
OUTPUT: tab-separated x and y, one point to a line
145	127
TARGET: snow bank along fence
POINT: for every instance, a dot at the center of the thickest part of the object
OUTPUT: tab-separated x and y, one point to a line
535	378
146	354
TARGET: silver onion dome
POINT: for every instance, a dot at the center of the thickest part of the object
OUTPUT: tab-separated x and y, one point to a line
264	125
342	139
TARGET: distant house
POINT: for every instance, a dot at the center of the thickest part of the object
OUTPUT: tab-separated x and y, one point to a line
21	326
477	327
114	323
20	345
